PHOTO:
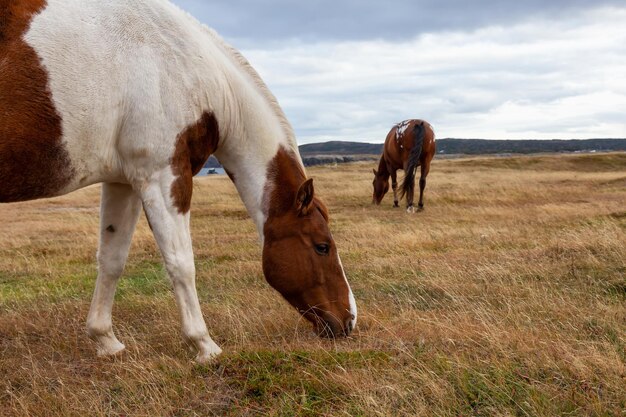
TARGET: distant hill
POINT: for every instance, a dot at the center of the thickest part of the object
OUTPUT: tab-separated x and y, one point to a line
472	147
339	152
341	148
482	146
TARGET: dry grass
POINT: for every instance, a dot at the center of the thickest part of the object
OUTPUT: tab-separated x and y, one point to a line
507	296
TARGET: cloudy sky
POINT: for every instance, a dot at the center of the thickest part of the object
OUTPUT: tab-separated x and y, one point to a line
349	70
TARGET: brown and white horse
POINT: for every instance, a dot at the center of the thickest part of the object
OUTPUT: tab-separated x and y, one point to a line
408	145
136	94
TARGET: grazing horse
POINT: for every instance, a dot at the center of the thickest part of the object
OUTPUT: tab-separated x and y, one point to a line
408	145
136	95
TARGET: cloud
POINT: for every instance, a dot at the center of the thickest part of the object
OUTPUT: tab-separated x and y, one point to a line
527	70
277	20
538	79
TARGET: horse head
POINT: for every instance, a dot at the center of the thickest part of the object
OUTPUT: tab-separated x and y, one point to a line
300	261
381	186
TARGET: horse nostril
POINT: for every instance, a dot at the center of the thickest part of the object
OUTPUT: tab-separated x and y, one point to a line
348	327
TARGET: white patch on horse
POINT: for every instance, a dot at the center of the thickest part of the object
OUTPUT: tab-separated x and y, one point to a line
353	309
401	128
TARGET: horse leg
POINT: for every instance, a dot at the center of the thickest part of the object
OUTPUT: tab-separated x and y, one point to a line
119	211
424	174
394	186
171	231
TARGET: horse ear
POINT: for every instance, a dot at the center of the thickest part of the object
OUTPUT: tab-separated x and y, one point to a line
304	198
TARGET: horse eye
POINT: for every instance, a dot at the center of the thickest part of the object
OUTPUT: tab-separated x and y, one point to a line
322	249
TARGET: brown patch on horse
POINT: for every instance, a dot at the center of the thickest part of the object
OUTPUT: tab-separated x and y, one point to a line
33	161
286	175
299	255
193	147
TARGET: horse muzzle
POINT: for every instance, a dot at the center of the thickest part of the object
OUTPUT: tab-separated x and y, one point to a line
332	328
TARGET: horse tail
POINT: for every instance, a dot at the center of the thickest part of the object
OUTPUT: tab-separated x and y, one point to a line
408	183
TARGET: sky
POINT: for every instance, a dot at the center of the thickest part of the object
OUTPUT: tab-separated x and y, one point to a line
350	70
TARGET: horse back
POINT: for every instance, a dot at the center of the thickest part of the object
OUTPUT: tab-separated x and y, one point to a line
400	141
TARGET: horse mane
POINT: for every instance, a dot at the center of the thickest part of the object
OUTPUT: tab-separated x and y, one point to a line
267	94
245	65
321	207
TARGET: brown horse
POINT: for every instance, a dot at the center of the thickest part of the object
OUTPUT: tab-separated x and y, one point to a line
408	145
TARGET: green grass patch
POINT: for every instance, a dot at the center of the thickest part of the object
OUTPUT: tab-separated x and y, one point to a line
19	288
144	278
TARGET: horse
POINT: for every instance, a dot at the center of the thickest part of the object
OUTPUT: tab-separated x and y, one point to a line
408	145
136	95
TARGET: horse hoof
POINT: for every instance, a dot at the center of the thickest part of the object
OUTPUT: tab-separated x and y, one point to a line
207	351
106	343
110	351
207	357
396	205
410	209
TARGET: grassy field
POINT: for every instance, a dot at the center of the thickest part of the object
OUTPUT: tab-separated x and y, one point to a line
506	296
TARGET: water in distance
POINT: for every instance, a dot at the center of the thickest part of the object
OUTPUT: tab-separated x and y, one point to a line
210	171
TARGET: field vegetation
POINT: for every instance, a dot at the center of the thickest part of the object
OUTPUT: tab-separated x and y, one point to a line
506	296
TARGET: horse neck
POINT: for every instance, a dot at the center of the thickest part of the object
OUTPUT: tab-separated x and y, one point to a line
259	152
382	168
